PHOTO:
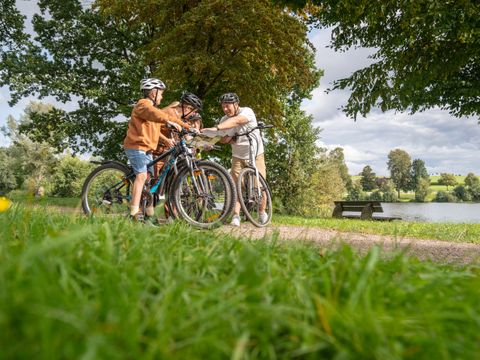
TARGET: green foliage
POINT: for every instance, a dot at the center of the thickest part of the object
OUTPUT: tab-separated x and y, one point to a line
338	156
388	190
302	176
8	180
426	52
125	291
447	180
69	176
11	27
399	164
471	180
419	171
422	189
98	55
356	192
30	162
385	193
376	196
474	191
368	178
326	187
462	193
444	196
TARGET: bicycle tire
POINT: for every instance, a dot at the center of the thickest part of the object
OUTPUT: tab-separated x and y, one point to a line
249	200
213	205
100	196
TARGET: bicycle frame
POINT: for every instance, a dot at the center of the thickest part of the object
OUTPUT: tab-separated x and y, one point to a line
252	156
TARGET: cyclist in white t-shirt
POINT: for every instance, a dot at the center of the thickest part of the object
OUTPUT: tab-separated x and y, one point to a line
239	120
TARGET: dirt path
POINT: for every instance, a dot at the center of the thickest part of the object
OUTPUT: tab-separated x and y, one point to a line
435	250
439	251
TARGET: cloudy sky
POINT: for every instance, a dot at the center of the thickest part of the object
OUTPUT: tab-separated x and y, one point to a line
445	143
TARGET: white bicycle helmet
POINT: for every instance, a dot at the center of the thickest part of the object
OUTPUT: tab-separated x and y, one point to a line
152	83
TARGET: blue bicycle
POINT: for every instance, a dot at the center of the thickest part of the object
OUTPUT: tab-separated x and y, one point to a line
200	192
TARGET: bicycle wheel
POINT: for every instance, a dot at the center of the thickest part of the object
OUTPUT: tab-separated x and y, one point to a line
254	196
203	196
107	191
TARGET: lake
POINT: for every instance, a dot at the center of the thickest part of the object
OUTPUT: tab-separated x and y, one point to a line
434	212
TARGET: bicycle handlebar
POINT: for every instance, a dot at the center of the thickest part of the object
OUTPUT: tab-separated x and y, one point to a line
182	132
260	126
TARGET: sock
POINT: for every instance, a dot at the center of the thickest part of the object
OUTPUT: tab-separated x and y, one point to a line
150	211
134	209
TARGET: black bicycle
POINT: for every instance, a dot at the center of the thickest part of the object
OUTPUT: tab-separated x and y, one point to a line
200	192
253	191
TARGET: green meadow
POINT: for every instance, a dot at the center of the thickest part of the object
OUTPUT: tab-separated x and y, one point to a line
454	232
76	287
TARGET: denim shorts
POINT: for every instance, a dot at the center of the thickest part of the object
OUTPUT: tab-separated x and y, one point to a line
139	160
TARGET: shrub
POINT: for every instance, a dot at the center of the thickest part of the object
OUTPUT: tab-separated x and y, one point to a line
69	176
444	196
461	192
356	192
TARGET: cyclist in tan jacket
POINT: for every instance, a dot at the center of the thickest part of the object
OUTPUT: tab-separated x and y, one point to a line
142	138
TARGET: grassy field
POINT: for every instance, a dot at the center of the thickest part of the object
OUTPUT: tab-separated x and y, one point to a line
434	187
74	287
21	197
469	233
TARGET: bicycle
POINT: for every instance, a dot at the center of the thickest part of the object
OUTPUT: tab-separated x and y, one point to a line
200	192
253	191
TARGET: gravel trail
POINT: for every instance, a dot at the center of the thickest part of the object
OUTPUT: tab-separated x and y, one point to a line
435	250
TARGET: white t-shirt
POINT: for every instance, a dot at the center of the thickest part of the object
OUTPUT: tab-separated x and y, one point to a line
241	148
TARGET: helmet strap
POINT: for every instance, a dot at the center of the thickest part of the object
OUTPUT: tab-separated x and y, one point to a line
184	116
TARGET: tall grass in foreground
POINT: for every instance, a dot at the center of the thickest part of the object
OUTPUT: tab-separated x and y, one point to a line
106	289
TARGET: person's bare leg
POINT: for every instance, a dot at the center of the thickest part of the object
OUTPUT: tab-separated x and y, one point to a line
138	184
237	208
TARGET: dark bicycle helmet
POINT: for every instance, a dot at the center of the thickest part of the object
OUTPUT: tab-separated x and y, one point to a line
152	83
192	99
229	98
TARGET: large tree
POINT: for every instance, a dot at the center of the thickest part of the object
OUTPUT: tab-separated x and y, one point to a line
367	179
399	164
471	180
95	57
419	171
303	176
447	179
426	52
338	156
32	163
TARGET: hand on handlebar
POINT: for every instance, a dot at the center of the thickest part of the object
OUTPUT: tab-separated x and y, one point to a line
175	126
169	142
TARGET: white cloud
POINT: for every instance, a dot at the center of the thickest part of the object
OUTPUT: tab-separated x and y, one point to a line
445	143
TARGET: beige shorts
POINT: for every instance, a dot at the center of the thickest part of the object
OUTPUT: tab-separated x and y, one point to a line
239	164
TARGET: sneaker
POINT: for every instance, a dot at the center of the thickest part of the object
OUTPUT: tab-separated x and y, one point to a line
138	217
235	220
263	217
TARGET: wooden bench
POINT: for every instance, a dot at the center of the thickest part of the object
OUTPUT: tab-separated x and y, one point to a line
366	209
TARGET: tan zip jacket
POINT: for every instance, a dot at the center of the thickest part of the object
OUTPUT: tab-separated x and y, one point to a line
145	124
